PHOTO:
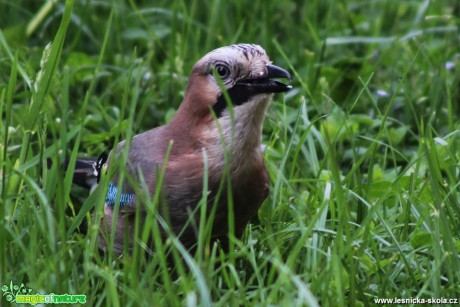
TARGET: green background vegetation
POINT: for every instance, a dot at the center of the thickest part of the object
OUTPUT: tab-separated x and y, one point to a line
363	153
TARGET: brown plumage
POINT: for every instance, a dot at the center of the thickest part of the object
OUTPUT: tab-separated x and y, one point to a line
246	73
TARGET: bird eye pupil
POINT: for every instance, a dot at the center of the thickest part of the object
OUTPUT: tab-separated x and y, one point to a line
222	71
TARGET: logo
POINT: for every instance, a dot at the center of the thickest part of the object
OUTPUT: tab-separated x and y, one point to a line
21	294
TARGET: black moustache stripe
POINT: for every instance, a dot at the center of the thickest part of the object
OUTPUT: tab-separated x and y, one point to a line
238	94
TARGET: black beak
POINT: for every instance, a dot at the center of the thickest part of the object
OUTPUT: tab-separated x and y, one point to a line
265	84
277	72
244	89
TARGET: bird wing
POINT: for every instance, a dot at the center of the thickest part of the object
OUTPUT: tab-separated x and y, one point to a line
145	156
87	171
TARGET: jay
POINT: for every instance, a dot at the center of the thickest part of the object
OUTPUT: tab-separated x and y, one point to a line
221	115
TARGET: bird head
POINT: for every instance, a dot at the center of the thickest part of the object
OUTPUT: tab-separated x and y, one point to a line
243	71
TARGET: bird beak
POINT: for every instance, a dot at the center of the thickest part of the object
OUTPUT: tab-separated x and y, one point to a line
266	84
274	71
244	89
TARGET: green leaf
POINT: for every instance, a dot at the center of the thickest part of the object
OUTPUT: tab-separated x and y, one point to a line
421	239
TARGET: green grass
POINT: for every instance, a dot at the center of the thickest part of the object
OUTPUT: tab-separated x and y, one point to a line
363	154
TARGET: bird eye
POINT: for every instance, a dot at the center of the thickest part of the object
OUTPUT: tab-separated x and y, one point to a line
222	71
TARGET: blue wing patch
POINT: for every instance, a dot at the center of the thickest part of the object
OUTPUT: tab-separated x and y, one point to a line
125	198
